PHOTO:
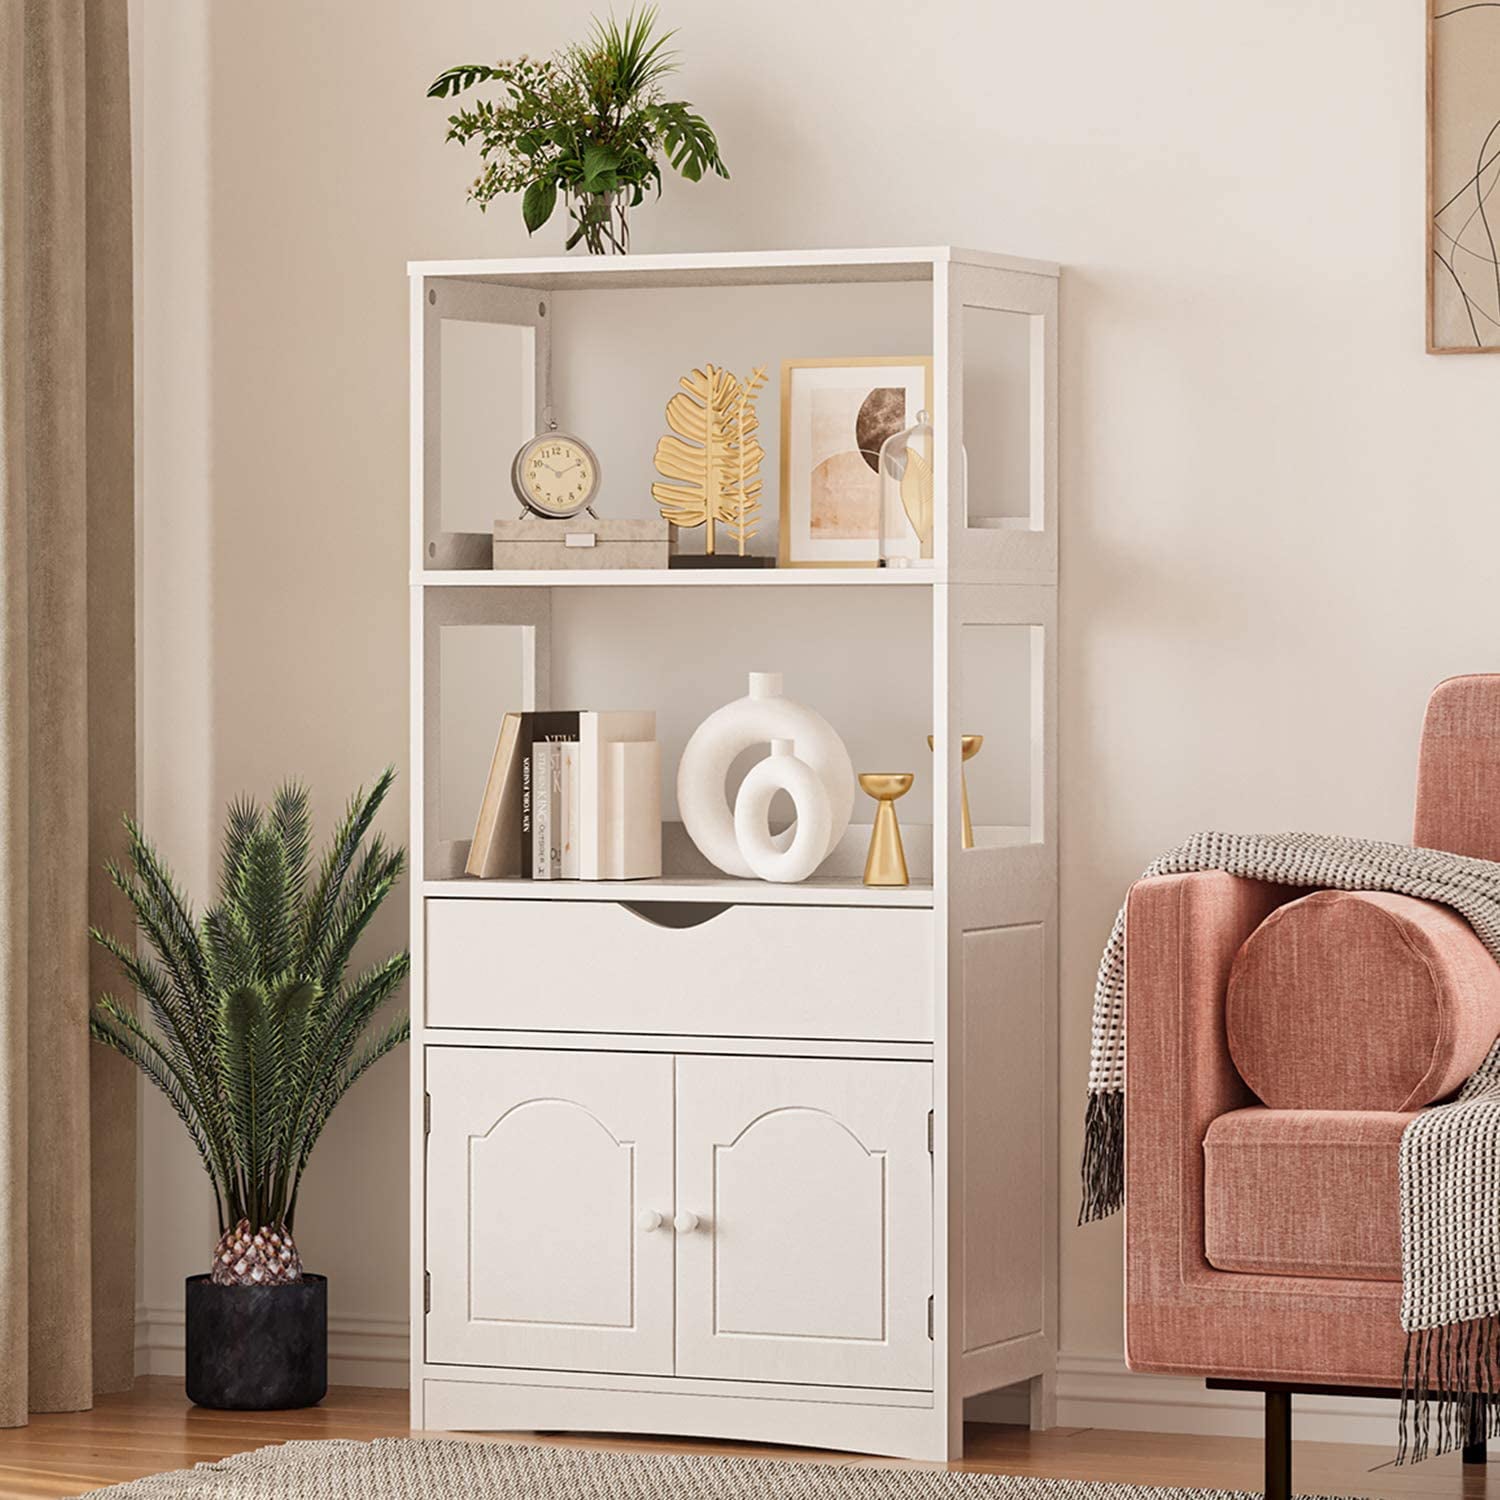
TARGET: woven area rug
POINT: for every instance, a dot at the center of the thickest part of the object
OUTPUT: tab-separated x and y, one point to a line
442	1469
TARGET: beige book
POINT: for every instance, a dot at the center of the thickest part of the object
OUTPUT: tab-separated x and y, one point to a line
495	848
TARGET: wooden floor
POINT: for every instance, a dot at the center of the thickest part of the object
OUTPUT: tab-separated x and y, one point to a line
154	1429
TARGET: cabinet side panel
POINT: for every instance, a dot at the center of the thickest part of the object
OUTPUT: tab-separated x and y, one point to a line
1004	1197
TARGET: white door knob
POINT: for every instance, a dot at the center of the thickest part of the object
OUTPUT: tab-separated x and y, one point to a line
685	1222
647	1220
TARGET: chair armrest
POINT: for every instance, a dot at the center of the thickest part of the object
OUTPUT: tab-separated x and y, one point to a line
1182	933
1182	1316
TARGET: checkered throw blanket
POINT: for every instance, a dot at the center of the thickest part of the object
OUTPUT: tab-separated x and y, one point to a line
1450	1154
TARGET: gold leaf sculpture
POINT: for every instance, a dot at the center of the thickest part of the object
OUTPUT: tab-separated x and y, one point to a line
712	456
916	497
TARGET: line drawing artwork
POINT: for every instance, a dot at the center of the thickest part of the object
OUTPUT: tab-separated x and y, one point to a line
1463	172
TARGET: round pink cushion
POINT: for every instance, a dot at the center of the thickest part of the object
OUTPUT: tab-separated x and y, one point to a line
1361	1000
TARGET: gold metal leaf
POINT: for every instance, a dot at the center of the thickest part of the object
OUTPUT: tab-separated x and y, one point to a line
712	454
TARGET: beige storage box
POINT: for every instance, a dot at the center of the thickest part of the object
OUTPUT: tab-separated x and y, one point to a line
581	542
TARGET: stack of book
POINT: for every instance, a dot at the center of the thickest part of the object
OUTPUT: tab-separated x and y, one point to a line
571	796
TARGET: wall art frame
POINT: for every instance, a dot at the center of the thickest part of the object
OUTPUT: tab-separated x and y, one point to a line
830	511
1463	173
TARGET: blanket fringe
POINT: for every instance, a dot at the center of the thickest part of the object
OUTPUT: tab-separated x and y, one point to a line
1450	1388
1103	1156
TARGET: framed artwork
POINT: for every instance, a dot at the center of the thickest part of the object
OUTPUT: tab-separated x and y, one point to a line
835	414
1463	171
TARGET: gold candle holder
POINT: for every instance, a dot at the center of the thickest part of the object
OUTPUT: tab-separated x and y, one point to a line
886	863
968	748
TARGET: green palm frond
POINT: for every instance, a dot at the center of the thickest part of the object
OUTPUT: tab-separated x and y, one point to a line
241	824
336	1032
249	1026
115	1027
398	1032
264	898
175	1037
322	905
291	816
233	961
377	875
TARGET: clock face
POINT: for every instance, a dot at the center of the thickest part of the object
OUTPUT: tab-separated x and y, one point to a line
556	476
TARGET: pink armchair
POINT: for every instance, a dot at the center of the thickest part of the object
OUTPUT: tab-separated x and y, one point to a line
1279	1043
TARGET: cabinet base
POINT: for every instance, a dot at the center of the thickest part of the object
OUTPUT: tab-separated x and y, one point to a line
887	1428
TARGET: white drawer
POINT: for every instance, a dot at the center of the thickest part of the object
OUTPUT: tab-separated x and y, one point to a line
779	971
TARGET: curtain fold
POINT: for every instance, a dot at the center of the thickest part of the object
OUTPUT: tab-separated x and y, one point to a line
67	698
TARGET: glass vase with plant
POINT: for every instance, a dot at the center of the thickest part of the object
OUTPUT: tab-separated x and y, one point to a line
589	125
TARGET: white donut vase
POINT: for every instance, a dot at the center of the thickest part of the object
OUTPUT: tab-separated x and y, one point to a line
781	771
757	719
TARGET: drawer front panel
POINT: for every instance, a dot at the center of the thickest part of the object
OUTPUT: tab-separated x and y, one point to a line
781	971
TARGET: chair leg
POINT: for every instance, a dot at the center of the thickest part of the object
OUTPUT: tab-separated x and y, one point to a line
1475	1447
1278	1445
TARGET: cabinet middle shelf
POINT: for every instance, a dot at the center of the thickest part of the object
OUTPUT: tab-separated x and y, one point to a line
724	890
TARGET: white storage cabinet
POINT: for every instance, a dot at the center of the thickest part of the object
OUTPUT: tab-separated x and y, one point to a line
713	1157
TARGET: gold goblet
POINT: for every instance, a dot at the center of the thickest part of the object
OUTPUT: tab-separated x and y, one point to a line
968	748
886	864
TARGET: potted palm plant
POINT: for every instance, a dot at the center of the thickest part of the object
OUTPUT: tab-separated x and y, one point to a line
251	1026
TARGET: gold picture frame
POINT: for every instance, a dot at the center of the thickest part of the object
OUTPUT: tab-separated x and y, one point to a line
833	487
1463	169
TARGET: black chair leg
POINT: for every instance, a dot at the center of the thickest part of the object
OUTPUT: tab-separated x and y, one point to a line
1278	1445
1475	1447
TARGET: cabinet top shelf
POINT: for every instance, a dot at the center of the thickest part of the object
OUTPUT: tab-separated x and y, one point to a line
722	268
481	578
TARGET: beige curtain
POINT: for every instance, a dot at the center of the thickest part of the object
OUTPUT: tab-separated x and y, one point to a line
67	698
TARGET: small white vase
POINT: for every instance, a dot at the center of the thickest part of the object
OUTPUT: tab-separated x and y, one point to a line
781	771
758	718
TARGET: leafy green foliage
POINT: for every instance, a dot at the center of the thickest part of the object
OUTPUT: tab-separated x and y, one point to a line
589	125
256	1032
456	80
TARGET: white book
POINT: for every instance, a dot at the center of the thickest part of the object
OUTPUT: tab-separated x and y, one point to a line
541	810
633	832
597	731
568	814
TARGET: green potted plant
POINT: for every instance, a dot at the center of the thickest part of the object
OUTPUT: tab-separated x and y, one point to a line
589	125
253	1029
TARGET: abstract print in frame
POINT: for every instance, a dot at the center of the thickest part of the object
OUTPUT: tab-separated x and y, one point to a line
1463	173
835	414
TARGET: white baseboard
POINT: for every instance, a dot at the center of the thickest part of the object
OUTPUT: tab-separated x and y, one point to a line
1096	1390
361	1351
1093	1390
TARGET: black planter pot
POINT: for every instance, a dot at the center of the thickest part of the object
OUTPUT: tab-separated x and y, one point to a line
257	1348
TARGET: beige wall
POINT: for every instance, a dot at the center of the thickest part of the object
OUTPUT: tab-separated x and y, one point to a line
1280	525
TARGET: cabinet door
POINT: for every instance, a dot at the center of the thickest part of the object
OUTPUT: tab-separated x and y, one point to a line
543	1172
811	1185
